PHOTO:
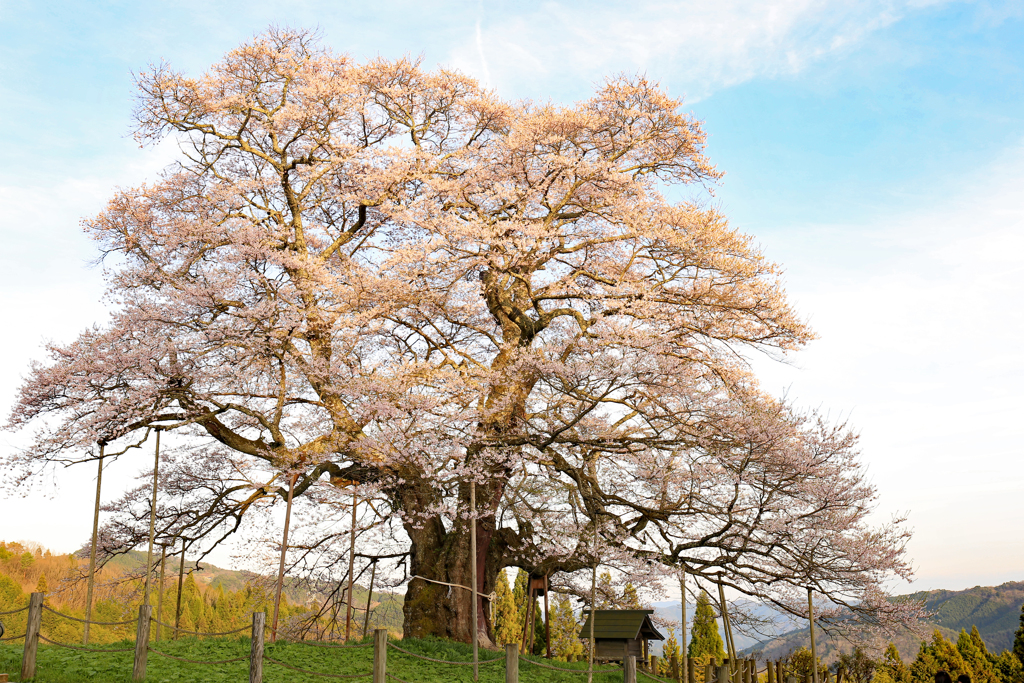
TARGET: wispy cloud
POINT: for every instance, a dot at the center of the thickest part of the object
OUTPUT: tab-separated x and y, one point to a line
700	45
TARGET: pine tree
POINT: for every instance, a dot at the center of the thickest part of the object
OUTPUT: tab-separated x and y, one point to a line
892	666
41	586
976	655
671	648
1018	638
539	634
705	641
939	655
504	615
1008	667
519	597
565	629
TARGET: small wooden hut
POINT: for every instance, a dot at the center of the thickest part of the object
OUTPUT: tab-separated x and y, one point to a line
621	632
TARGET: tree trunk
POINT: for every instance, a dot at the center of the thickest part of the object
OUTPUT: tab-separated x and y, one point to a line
433	609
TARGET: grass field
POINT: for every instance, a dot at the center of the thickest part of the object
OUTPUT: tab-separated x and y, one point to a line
59	665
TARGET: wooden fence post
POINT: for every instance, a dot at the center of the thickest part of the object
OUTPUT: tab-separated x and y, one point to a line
724	672
35	618
511	663
259	625
380	655
141	642
709	673
653	664
629	669
673	666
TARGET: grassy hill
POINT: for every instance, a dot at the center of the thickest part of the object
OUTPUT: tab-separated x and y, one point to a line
995	610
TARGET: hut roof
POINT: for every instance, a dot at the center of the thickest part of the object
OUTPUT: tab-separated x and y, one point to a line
622	623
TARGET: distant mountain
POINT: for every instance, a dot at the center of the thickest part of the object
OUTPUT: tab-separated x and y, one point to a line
668	613
995	610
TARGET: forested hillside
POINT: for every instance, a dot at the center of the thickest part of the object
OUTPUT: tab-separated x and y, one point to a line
994	610
212	599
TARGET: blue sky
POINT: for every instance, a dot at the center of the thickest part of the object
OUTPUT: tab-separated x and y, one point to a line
876	149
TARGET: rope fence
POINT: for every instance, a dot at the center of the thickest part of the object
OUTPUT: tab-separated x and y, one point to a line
14	611
198	661
313	643
85	649
314	673
87	621
200	633
652	677
444	661
568	671
13	637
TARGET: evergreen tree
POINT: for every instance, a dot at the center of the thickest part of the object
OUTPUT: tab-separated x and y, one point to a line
976	656
565	630
1018	638
670	648
892	666
519	597
504	614
859	667
539	634
705	641
937	656
630	599
41	586
800	662
1008	668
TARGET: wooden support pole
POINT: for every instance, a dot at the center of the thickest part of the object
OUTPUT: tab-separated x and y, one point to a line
814	647
141	642
92	552
593	619
34	620
284	553
629	669
259	625
472	577
181	577
152	520
725	623
683	652
369	596
511	663
653	664
771	673
380	655
351	564
160	595
547	620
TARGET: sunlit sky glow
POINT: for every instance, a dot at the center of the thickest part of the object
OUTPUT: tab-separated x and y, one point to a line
875	149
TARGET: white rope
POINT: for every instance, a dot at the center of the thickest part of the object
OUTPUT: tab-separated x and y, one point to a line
492	597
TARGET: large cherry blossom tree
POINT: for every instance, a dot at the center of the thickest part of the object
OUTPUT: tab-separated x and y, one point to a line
379	274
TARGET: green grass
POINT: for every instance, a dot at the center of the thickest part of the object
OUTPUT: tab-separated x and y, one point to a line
59	665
